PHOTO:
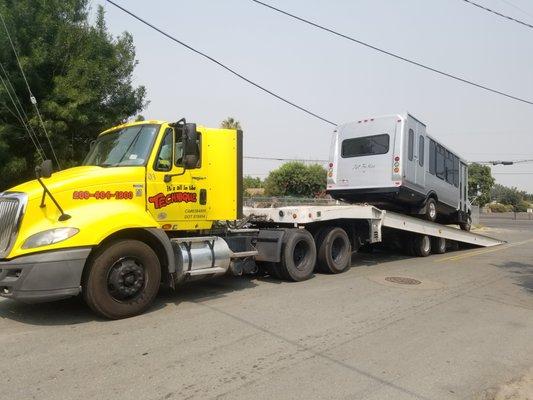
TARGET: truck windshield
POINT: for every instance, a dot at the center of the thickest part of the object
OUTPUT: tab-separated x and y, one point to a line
123	147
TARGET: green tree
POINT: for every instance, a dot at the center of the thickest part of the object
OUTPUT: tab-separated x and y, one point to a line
480	183
296	179
231	123
249	182
80	75
510	196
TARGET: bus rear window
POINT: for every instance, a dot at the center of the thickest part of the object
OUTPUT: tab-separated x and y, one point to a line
365	146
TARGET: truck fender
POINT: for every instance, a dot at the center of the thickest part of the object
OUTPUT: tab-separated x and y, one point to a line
161	236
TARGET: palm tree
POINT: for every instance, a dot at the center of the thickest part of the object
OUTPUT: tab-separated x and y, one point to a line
231	123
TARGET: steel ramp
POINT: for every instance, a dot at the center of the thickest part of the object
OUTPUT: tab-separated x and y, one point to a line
417	225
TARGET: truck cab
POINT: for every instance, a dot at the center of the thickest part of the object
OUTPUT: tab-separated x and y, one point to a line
140	184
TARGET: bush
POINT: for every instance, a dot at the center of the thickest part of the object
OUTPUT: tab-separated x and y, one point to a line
522	206
296	179
499	208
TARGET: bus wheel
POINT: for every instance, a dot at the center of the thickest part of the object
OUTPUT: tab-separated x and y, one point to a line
438	245
298	257
421	245
431	209
467	225
122	279
334	250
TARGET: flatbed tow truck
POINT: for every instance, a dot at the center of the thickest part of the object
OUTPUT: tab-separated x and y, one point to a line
158	203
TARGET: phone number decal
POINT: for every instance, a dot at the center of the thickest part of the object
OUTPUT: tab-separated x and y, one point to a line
102	195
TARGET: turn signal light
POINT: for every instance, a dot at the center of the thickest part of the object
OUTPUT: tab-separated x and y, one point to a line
396	169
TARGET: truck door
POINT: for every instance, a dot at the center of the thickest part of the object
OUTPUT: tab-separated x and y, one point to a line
175	195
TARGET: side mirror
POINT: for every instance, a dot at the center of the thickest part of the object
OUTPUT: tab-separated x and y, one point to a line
191	150
44	170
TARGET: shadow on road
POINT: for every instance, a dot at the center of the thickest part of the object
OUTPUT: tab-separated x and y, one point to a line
523	273
73	311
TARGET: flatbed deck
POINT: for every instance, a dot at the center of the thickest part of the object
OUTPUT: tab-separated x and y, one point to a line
377	219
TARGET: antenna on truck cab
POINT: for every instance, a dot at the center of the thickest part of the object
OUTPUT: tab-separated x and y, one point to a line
45	171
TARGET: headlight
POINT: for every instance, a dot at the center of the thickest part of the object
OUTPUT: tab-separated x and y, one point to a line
51	236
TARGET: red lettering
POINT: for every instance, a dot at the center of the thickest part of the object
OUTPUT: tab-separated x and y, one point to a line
161	200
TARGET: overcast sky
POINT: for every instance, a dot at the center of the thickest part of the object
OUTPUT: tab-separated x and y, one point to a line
338	79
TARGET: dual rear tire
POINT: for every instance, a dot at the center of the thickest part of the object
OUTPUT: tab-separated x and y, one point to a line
329	252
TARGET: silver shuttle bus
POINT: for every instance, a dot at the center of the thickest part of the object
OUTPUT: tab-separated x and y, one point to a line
393	163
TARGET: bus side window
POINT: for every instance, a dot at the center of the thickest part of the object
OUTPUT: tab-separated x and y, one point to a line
440	167
411	145
421	150
456	171
432	156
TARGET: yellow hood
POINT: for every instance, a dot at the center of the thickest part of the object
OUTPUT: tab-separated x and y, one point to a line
80	178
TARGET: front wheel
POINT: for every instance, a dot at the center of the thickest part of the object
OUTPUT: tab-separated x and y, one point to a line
122	279
467	225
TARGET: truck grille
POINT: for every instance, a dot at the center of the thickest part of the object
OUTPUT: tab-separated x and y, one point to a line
11	207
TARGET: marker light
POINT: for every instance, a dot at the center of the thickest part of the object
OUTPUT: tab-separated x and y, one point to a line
397	158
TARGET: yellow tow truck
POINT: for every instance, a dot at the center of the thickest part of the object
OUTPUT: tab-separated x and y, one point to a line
162	203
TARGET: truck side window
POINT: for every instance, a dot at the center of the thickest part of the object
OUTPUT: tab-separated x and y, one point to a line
178	150
164	158
411	145
421	150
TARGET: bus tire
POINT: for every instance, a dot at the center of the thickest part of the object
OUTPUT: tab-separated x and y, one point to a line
431	209
122	279
466	225
298	256
334	250
421	245
438	245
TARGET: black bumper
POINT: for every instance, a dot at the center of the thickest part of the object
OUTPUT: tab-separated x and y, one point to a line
43	277
386	195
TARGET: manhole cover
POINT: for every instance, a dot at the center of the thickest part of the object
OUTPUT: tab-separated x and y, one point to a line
402	280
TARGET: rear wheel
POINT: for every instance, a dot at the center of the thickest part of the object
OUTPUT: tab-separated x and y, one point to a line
122	279
334	250
298	257
431	209
438	245
421	245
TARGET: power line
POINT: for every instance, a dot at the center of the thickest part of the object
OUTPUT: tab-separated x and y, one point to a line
512	173
22	121
518	8
22	115
220	64
370	46
284	159
32	97
498	13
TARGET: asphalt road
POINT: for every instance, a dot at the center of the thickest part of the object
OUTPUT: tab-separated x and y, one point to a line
468	326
